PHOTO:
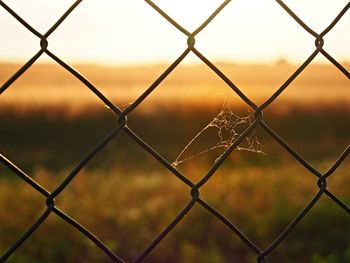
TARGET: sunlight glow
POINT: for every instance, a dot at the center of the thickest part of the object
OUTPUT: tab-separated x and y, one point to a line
132	32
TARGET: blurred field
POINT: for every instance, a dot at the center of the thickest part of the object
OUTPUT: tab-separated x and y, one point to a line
50	86
49	121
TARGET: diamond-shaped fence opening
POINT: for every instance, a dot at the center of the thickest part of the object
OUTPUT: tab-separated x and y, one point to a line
194	196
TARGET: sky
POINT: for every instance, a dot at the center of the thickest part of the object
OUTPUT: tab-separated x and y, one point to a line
132	32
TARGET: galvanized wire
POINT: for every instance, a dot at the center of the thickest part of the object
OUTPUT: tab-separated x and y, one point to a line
194	188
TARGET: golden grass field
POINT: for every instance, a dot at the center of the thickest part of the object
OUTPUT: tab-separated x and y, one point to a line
50	86
49	121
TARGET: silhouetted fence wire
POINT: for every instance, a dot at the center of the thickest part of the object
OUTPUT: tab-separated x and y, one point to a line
261	253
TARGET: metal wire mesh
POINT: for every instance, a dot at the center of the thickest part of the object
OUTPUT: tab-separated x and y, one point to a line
321	178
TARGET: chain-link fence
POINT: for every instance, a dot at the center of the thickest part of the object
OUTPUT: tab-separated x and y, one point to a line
194	188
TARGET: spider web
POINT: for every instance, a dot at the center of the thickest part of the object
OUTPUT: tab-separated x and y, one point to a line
227	125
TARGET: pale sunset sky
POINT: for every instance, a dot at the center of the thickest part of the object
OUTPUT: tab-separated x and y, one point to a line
131	32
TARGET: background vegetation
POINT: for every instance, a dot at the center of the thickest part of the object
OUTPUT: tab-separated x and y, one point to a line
126	197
